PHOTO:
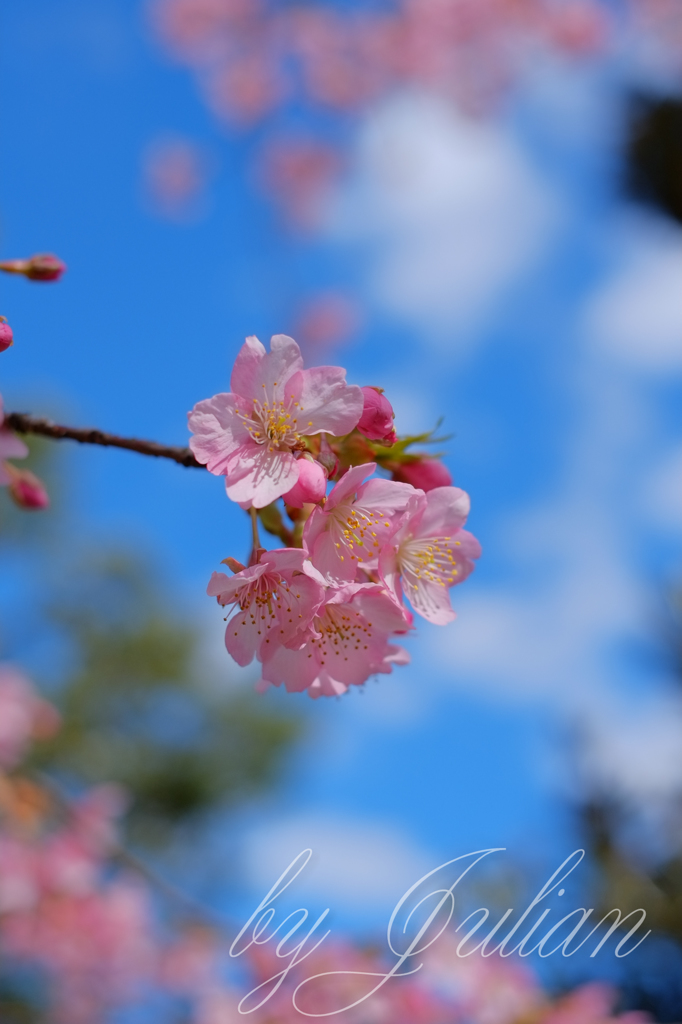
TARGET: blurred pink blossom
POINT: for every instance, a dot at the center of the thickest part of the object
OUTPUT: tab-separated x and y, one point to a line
296	173
326	320
176	172
23	716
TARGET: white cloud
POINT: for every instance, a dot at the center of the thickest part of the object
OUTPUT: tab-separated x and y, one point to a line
358	864
560	631
453	206
635	751
637	314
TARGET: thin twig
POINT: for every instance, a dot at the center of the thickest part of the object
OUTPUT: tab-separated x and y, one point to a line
26	424
254	529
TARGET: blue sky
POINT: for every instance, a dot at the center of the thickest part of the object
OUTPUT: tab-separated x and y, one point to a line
505	285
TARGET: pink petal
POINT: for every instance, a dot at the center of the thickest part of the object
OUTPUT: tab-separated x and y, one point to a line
11	447
349	484
335	564
296	669
445	511
298	606
387	495
327	403
259	475
326	686
284	559
260	374
242	638
468	547
227	587
382	611
432	602
218	431
389	570
396	655
218	584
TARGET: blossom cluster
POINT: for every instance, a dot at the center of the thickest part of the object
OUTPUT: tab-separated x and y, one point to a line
251	57
320	614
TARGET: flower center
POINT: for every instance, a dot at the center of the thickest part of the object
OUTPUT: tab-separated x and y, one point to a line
274	422
428	560
343	631
356	531
262	601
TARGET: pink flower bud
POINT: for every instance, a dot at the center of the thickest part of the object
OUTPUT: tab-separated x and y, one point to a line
26	489
43	266
6	336
423	473
311	486
376	422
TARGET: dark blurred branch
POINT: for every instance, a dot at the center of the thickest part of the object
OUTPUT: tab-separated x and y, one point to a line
22	423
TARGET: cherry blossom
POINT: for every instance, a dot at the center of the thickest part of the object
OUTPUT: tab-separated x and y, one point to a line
274	600
355	522
429	552
348	641
250	435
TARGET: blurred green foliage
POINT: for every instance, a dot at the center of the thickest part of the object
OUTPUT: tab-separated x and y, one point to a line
140	708
125	664
140	703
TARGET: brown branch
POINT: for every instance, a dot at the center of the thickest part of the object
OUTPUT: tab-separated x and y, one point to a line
25	424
